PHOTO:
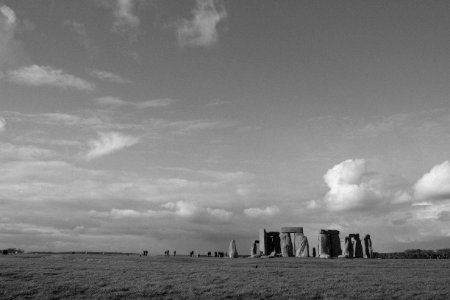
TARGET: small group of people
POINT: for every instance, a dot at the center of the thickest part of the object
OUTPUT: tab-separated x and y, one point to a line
167	253
145	253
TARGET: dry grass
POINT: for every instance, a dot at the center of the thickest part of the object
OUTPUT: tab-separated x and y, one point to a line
119	276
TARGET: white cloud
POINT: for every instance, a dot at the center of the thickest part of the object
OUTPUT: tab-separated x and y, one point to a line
114	101
108	76
348	187
202	29
8	14
2	124
435	184
109	143
35	75
262	212
125	19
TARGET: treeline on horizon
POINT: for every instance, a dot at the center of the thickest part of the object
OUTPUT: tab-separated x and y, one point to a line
416	254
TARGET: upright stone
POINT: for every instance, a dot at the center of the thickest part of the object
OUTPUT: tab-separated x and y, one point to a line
276	243
286	244
324	244
301	245
254	249
358	246
335	243
368	246
314	252
232	251
348	248
263	240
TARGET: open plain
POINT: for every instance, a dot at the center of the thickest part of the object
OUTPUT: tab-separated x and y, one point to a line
55	276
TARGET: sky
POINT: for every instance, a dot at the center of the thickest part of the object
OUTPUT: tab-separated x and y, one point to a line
128	125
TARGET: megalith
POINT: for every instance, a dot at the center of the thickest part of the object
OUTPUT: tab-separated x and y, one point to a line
301	245
335	243
358	250
232	251
324	244
254	249
263	242
368	246
286	244
348	247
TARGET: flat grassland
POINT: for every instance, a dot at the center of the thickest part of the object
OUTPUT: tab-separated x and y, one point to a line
38	276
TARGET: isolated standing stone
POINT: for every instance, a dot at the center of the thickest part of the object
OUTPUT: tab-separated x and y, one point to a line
286	245
232	251
301	245
368	246
254	249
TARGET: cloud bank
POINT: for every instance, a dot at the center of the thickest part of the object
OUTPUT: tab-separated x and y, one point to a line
201	30
108	76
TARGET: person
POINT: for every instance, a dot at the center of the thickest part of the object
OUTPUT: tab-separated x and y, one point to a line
174	252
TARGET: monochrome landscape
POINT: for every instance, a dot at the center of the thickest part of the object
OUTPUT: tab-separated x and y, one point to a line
224	149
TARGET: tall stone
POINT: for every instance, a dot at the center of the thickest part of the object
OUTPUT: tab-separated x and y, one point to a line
348	248
232	251
324	244
335	243
254	252
286	245
358	250
368	246
301	245
263	242
276	242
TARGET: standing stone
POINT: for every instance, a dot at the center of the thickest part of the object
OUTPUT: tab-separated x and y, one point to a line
335	243
232	251
254	249
263	242
358	250
324	244
348	248
301	245
276	242
286	245
314	252
368	246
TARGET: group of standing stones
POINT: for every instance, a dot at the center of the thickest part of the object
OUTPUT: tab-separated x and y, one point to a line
291	241
281	243
353	246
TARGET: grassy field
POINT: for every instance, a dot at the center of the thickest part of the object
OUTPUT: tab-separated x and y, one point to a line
55	276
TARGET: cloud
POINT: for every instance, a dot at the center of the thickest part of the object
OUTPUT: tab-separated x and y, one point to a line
109	143
262	212
125	19
193	212
201	30
2	124
8	27
349	188
107	76
434	185
10	151
35	75
114	101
